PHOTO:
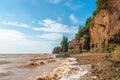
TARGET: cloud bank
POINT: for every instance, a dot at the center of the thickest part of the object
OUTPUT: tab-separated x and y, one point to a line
13	41
18	24
49	25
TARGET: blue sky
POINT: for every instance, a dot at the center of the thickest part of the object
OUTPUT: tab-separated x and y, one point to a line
36	26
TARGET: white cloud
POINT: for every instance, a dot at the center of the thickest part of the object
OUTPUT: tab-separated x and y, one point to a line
73	19
54	1
12	41
11	35
51	36
9	23
53	26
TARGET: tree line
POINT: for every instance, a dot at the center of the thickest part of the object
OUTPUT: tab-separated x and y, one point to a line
63	46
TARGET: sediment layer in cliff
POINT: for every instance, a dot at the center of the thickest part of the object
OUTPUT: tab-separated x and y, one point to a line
106	27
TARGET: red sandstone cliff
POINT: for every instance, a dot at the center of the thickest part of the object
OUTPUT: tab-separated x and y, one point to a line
106	27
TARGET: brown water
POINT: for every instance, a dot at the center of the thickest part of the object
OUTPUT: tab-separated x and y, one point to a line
15	66
19	67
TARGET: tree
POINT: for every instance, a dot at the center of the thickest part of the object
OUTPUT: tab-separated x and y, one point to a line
56	50
89	22
99	6
64	44
81	32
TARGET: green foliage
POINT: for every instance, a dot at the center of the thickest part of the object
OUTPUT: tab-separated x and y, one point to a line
116	55
87	38
99	6
100	49
64	44
85	29
56	50
112	46
63	55
74	51
80	32
89	22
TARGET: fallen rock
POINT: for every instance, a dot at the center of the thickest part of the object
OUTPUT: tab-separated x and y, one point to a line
31	63
41	62
37	63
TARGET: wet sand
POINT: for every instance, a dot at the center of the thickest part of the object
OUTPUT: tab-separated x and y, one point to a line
17	67
40	66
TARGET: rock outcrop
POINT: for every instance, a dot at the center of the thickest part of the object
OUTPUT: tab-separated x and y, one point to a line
74	44
106	27
82	43
79	44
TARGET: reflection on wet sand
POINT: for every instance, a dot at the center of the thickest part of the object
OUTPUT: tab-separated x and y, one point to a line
40	67
25	67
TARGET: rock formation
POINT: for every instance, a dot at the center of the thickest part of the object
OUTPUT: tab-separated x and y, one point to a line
74	44
82	43
106	27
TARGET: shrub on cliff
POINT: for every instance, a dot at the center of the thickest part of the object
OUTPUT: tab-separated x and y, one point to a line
116	55
100	49
85	29
63	55
74	51
99	6
89	22
81	32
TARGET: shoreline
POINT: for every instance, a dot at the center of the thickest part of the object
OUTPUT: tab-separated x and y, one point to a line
17	66
41	66
68	71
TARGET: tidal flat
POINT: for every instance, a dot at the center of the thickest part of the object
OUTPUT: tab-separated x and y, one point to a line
40	66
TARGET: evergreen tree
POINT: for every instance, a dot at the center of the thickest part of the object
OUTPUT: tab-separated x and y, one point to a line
56	50
80	32
64	44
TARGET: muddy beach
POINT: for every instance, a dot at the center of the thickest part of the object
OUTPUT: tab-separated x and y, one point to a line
40	67
18	67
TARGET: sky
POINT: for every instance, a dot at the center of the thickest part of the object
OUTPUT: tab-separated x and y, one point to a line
37	26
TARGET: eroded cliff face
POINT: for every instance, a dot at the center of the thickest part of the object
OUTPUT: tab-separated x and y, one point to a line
74	44
82	43
106	27
99	32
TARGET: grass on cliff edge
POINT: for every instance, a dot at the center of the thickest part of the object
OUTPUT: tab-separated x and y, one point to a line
63	55
68	54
